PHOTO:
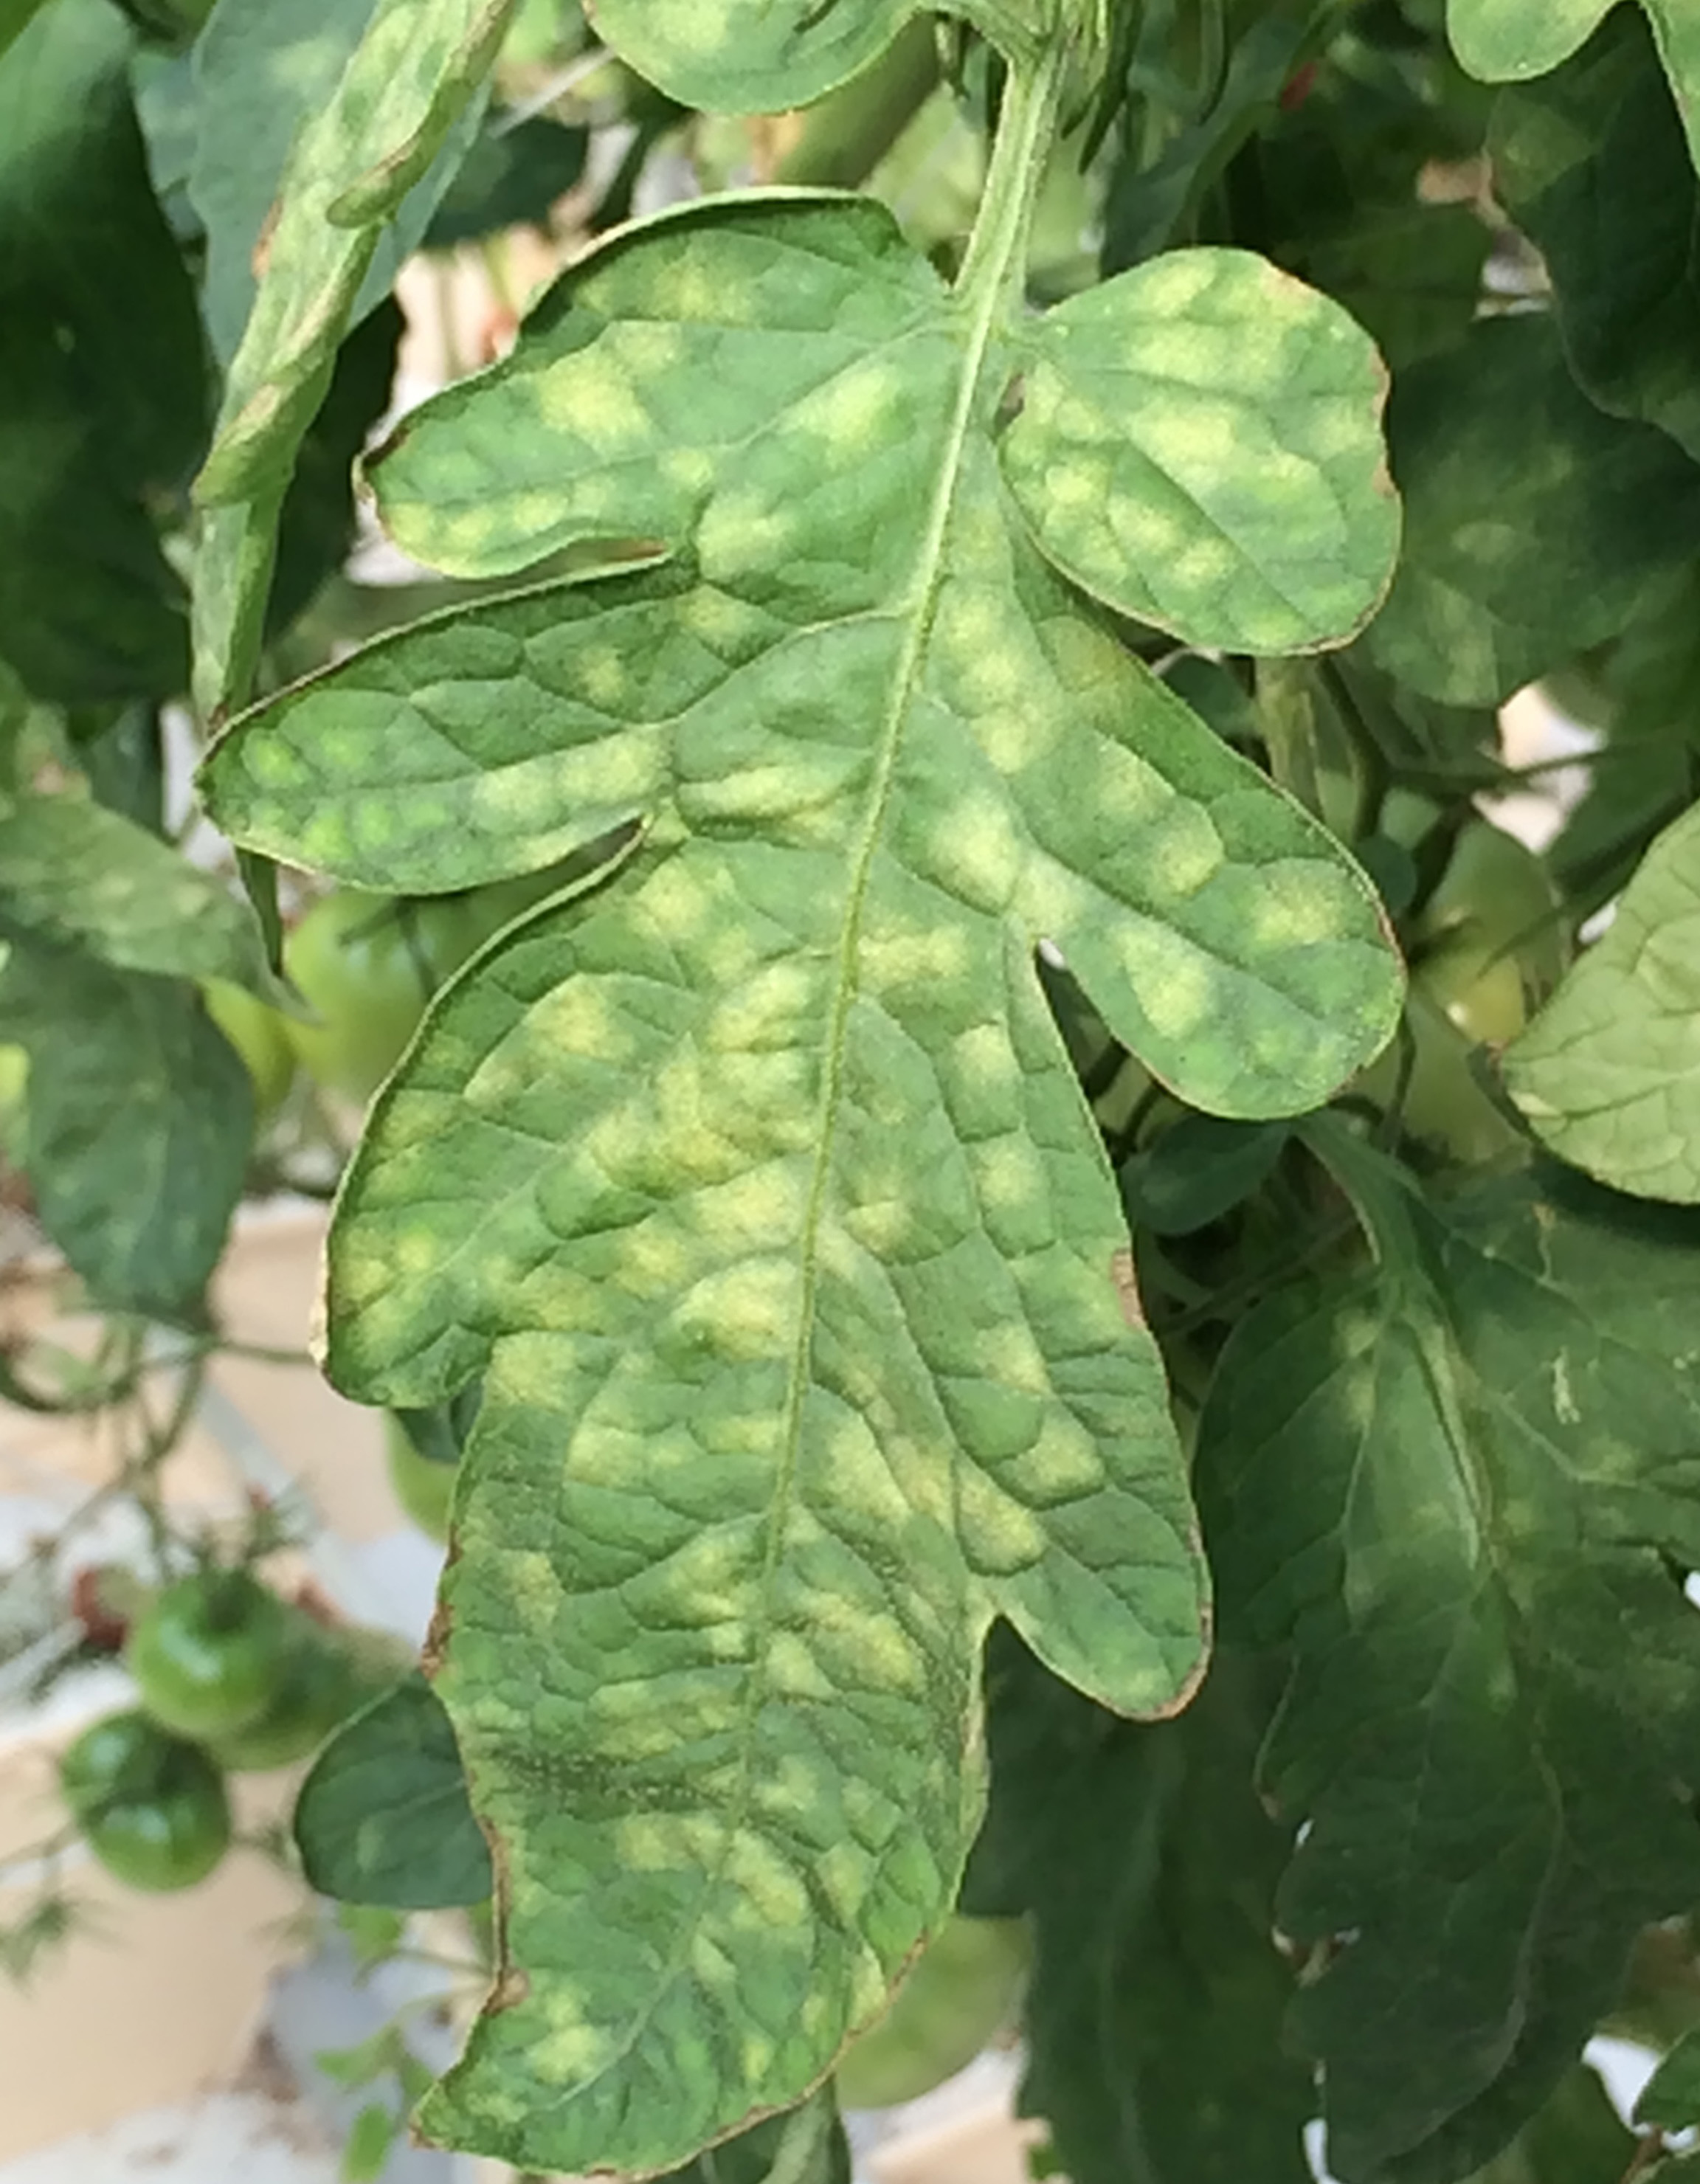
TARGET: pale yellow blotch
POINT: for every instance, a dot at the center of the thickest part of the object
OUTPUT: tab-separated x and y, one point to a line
769	1011
1070	486
1015	738
741	531
578	1018
984	1056
776	1896
415	1253
533	1588
845	1873
589	396
854	412
745	1312
1009	1175
602	675
678	903
1295	917
1131	791
1184	441
1178	993
654	1259
717	618
977	852
882	1226
1149	534
1009	1358
761	1209
913	955
759	2050
691	469
650	346
1205	565
1184	852
998	1536
1062	1465
572	2053
1169	286
793	1671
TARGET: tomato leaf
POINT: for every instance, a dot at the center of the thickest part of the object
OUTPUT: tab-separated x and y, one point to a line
102	381
755	1182
419	66
751	56
1459	1489
1509	41
1153	2020
1670	2100
1608	1073
1534	523
140	1117
1582	159
1575	2137
383	1816
806	2145
72	870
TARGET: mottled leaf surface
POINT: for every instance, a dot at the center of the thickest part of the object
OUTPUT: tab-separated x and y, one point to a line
419	66
1462	1490
1153	2023
1507	40
1534	522
750	55
383	1817
140	1115
1591	163
1608	1074
755	1182
72	870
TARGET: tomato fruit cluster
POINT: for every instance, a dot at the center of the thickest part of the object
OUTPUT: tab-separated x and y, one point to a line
151	1806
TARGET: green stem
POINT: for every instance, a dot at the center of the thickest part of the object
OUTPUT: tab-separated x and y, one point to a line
996	255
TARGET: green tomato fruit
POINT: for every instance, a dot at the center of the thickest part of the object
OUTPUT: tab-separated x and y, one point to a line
424	1489
260	1035
207	1653
367	965
1495	900
326	1676
151	1806
962	1990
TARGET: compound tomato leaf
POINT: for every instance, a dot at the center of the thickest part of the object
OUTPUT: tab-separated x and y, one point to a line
755	1182
1534	522
383	1817
418	66
1130	393
139	1121
72	870
1608	1073
1461	1489
1581	158
1509	41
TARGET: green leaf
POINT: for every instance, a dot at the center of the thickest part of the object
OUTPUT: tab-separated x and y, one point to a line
806	2145
383	1816
1576	2138
418	69
750	55
140	1115
1197	1171
1153	2020
1608	1074
262	70
72	870
372	2134
755	1181
510	177
1508	41
1591	163
1460	1489
1671	2098
1534	524
15	17
1131	393
102	380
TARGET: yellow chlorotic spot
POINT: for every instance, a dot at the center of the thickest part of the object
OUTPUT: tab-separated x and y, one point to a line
759	2050
984	1056
534	1589
1009	1175
761	1209
602	674
1009	1358
793	1671
998	1535
1014	735
1184	441
913	955
577	1018
715	616
1182	852
1297	914
740	532
773	1008
844	1873
1062	1465
1169	286
746	1312
654	1259
416	1253
677	903
776	1897
647	346
854	412
570	2054
977	852
590	395
882	1226
1205	565
1177	994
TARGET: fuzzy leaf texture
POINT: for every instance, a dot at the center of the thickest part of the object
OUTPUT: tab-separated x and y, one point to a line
1608	1074
1509	41
756	1181
1461	1490
418	64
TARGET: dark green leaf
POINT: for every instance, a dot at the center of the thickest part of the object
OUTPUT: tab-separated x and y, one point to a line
807	2146
509	178
1458	1489
1154	2014
1534	523
1671	2098
1197	1170
122	754
382	1817
102	384
1591	162
140	1117
439	1433
1576	2138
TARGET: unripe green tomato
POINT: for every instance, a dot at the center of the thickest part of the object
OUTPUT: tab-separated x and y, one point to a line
962	1990
260	1035
367	965
1496	899
207	1653
151	1806
424	1489
1444	1103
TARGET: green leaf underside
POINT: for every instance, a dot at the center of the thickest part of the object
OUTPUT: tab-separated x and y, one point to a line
1608	1074
1591	163
1534	523
1153	2020
382	1817
758	1179
140	1117
419	66
1456	1490
72	870
1508	41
